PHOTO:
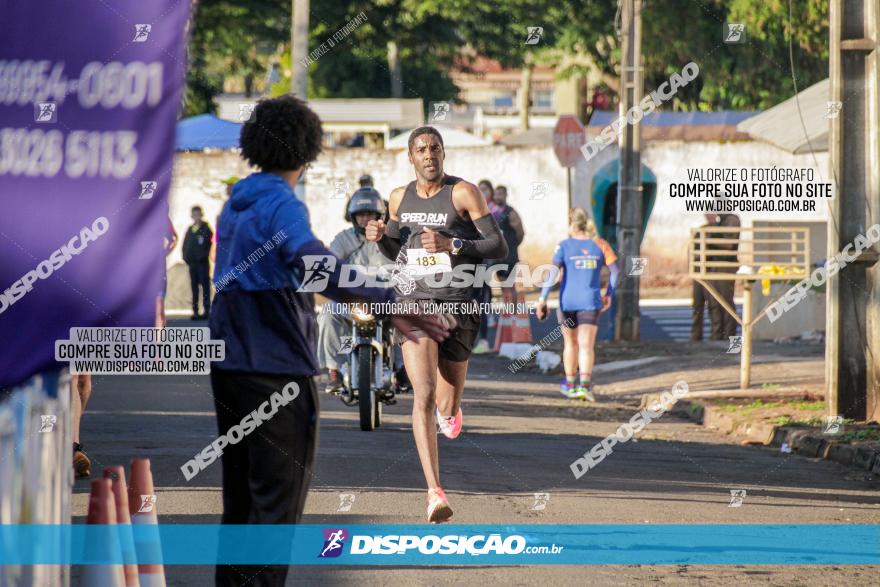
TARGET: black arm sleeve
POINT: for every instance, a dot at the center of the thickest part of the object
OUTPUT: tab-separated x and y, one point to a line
390	243
334	290
491	246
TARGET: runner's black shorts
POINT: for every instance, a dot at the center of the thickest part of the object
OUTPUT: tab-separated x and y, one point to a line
463	328
578	317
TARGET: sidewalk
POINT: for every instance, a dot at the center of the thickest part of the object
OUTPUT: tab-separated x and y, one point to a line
784	407
705	366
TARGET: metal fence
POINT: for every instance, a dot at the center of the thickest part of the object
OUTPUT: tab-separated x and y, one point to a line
36	476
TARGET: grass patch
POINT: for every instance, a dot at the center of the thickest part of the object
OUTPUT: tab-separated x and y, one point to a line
797	405
815	406
858	435
787	420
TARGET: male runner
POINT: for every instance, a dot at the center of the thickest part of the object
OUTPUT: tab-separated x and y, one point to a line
437	223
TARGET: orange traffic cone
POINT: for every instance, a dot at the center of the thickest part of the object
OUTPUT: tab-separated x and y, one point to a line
142	506
120	494
512	326
102	510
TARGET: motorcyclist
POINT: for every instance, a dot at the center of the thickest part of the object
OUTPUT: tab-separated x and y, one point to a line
352	247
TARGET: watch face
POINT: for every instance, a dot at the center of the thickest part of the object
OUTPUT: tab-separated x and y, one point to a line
456	243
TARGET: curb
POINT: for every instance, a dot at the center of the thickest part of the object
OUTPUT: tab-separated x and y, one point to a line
807	443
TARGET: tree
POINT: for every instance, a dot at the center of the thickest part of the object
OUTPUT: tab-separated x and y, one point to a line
746	76
231	38
240	37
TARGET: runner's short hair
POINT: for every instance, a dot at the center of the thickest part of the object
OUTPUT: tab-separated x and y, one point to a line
501	187
282	134
194	208
423	130
483	182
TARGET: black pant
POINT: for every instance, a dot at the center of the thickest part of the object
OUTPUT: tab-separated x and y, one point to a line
199	278
266	475
700	296
723	324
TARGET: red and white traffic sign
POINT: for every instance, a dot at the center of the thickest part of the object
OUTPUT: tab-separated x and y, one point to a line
568	138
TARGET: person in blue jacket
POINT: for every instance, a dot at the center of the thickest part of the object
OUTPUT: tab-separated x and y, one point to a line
268	264
581	257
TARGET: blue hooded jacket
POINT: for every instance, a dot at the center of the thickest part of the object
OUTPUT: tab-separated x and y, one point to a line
268	326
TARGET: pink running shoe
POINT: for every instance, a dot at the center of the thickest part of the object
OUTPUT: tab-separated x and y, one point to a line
438	506
450	426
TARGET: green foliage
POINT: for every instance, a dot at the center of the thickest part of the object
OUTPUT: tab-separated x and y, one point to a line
753	75
864	434
241	37
231	38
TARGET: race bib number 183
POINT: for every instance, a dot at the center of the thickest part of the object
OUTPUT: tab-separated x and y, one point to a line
421	262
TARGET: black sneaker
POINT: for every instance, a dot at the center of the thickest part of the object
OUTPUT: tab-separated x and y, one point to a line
400	381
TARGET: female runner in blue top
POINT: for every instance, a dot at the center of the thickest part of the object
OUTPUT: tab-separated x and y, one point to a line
581	257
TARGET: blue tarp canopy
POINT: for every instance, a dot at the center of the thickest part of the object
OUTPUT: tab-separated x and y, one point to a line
206	131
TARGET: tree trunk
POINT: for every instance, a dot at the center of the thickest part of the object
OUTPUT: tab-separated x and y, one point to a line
394	70
299	48
525	91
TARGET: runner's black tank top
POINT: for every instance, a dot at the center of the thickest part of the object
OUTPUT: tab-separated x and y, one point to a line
439	214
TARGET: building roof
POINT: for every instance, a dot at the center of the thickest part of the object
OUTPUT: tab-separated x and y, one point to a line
452	138
533	136
396	113
796	124
351	115
685	126
657	126
725	117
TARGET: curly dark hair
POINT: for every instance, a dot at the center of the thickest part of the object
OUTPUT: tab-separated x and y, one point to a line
423	130
282	134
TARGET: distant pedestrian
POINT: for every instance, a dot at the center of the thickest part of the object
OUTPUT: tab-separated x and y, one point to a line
698	306
483	295
723	324
699	300
196	252
229	182
581	258
170	241
80	392
488	192
511	227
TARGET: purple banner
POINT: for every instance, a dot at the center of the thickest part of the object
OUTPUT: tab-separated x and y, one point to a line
89	98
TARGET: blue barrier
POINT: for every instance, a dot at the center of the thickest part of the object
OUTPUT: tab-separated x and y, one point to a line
657	544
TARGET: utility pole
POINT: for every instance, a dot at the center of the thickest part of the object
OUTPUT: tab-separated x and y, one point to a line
299	49
852	351
629	184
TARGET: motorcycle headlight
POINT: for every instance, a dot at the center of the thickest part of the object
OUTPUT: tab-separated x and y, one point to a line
361	317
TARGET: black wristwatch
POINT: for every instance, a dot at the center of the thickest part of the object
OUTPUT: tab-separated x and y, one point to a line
457	244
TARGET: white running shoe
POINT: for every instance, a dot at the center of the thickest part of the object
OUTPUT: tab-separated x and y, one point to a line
450	426
482	347
438	506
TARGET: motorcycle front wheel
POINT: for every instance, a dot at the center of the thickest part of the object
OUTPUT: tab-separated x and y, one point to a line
367	400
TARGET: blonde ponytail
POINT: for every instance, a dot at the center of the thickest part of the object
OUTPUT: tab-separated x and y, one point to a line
582	222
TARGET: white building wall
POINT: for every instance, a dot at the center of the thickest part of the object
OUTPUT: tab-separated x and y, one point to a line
197	181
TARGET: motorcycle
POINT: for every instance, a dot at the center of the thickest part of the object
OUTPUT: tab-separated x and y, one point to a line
368	378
